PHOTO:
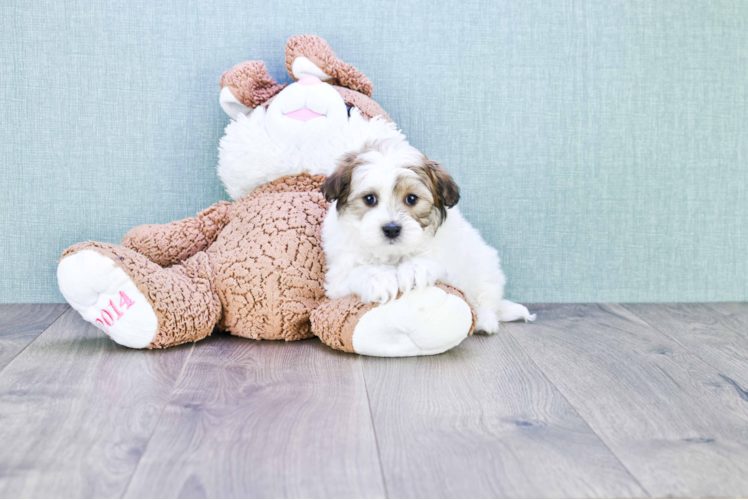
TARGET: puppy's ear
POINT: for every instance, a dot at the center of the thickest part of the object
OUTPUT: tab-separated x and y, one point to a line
338	185
443	186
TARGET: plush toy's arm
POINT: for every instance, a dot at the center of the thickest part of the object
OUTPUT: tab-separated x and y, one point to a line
169	244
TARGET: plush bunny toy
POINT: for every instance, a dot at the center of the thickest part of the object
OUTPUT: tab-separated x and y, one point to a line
255	267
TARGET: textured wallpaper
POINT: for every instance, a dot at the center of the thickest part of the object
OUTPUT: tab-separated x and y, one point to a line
602	147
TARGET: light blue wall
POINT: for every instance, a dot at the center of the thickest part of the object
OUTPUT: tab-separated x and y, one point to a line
601	146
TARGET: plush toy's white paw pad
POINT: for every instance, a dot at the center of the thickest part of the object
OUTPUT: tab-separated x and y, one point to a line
422	322
106	296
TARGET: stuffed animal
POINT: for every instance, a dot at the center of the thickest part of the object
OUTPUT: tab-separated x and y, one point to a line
255	267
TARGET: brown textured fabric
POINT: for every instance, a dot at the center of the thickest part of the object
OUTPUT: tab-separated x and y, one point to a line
321	54
334	321
250	83
183	296
291	184
268	260
169	244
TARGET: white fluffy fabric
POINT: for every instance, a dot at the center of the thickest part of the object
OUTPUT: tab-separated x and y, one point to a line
249	157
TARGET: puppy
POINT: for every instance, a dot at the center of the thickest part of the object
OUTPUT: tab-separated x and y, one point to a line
394	228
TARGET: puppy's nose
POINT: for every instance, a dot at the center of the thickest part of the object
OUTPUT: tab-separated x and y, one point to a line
391	230
309	80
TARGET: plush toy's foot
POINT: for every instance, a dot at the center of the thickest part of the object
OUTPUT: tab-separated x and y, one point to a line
137	302
106	296
429	321
419	323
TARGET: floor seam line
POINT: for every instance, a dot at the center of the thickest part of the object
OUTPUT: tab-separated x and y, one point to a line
158	421
589	426
68	308
374	429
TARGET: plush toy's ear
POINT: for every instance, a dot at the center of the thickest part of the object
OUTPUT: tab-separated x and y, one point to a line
231	105
302	66
368	107
246	86
315	57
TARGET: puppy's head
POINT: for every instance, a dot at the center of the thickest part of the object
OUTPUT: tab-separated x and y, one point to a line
392	196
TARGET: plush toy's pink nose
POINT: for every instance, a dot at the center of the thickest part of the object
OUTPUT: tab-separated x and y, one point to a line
309	80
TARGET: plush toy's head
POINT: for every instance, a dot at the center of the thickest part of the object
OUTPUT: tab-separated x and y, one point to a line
302	127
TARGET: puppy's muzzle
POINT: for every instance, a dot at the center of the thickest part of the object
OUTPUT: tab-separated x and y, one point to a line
391	230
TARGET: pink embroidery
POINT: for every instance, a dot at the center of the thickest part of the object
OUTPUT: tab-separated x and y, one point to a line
107	319
119	314
110	322
124	300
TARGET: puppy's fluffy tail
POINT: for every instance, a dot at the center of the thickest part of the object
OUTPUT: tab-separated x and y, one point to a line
510	311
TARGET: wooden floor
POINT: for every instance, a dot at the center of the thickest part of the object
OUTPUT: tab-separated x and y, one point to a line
590	400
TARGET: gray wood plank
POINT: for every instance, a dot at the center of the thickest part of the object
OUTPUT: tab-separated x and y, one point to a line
482	421
20	324
675	423
264	419
735	314
711	331
76	411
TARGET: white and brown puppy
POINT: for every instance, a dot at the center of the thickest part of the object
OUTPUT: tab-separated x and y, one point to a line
393	227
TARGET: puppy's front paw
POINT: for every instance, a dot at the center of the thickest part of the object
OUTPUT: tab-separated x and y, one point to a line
418	273
374	283
488	321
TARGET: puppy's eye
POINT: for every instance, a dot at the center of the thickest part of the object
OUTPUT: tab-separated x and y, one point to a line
411	199
370	200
